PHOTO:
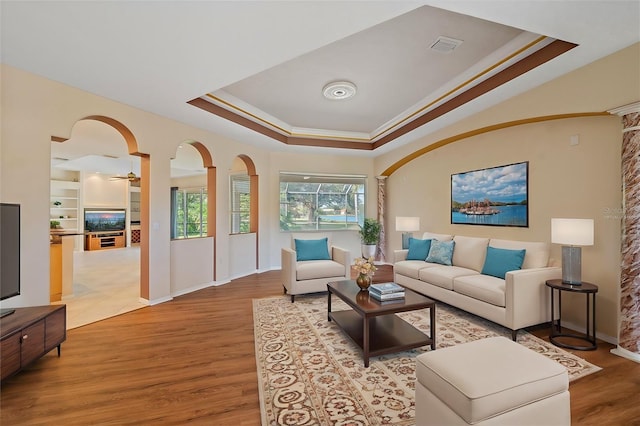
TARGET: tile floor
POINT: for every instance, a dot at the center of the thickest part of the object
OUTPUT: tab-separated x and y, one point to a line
106	283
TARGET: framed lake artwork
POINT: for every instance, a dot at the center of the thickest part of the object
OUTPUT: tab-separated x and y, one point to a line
496	196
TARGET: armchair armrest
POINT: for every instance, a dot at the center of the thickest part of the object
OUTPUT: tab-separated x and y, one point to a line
400	255
527	296
288	258
343	257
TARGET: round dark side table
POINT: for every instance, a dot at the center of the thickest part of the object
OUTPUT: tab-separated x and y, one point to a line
587	289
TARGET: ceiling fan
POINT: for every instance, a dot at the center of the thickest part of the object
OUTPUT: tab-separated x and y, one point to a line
131	177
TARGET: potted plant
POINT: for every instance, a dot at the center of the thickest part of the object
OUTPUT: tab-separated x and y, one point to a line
369	235
54	224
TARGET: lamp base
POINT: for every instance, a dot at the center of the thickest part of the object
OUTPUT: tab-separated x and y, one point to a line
572	265
405	239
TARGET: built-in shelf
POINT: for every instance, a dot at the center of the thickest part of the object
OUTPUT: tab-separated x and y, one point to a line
65	204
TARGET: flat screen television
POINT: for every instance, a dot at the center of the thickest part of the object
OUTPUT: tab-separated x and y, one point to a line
104	220
9	253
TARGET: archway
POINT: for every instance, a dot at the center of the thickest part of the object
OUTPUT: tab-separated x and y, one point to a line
132	148
253	200
210	183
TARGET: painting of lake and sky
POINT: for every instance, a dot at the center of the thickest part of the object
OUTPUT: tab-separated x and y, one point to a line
494	196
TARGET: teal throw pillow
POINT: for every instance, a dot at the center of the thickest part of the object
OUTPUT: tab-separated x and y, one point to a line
418	249
441	252
312	249
500	261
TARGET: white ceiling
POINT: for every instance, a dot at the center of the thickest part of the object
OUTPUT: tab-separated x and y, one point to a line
391	64
275	56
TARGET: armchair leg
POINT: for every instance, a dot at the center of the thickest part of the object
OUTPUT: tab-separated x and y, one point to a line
514	335
285	290
292	296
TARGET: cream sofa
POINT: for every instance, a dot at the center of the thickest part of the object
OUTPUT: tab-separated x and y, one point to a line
519	300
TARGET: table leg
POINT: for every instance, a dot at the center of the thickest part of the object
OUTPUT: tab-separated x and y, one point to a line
329	306
559	311
365	341
553	314
432	318
591	325
593	328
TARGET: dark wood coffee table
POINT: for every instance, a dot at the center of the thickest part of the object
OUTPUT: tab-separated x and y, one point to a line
374	325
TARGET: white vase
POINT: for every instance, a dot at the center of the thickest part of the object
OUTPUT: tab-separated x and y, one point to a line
368	250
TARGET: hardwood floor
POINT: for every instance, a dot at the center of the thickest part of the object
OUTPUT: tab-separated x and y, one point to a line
192	360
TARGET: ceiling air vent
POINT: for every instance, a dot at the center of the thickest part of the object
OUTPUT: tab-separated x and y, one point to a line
445	44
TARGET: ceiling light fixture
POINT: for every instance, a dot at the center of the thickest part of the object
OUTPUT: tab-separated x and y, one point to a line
339	90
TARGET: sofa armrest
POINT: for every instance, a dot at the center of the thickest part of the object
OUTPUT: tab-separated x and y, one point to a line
528	297
288	257
343	257
400	255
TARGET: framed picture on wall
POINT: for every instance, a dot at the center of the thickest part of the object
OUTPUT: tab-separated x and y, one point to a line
496	196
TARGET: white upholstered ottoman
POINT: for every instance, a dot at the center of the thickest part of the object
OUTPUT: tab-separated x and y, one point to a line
492	381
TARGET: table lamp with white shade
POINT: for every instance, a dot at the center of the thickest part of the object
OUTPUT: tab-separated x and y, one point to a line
407	225
573	233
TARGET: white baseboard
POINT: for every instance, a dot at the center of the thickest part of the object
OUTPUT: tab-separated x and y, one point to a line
157	301
582	329
626	354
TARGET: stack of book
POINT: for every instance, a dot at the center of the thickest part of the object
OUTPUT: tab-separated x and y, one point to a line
385	292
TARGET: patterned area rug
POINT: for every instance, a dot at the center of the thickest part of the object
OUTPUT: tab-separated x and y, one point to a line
311	373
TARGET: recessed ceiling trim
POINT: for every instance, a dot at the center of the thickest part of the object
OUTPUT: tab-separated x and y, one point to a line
409	123
244	111
462	85
306	133
532	61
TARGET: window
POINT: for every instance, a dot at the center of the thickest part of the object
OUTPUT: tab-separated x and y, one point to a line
321	202
188	212
240	204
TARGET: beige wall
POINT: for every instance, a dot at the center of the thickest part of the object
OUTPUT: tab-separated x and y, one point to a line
99	191
565	181
580	181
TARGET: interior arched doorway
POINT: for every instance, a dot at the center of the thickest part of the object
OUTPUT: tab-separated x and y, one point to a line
250	168
132	149
208	186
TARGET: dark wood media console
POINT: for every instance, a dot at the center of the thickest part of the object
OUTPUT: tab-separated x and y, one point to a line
28	334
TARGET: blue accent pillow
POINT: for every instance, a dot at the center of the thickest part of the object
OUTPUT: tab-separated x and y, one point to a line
312	249
500	261
441	252
418	249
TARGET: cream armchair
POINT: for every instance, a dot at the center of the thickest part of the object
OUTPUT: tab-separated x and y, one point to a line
311	263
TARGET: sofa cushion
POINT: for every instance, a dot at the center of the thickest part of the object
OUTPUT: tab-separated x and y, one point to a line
439	237
469	252
482	287
418	249
441	252
410	268
500	261
312	269
443	276
537	255
309	236
312	249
